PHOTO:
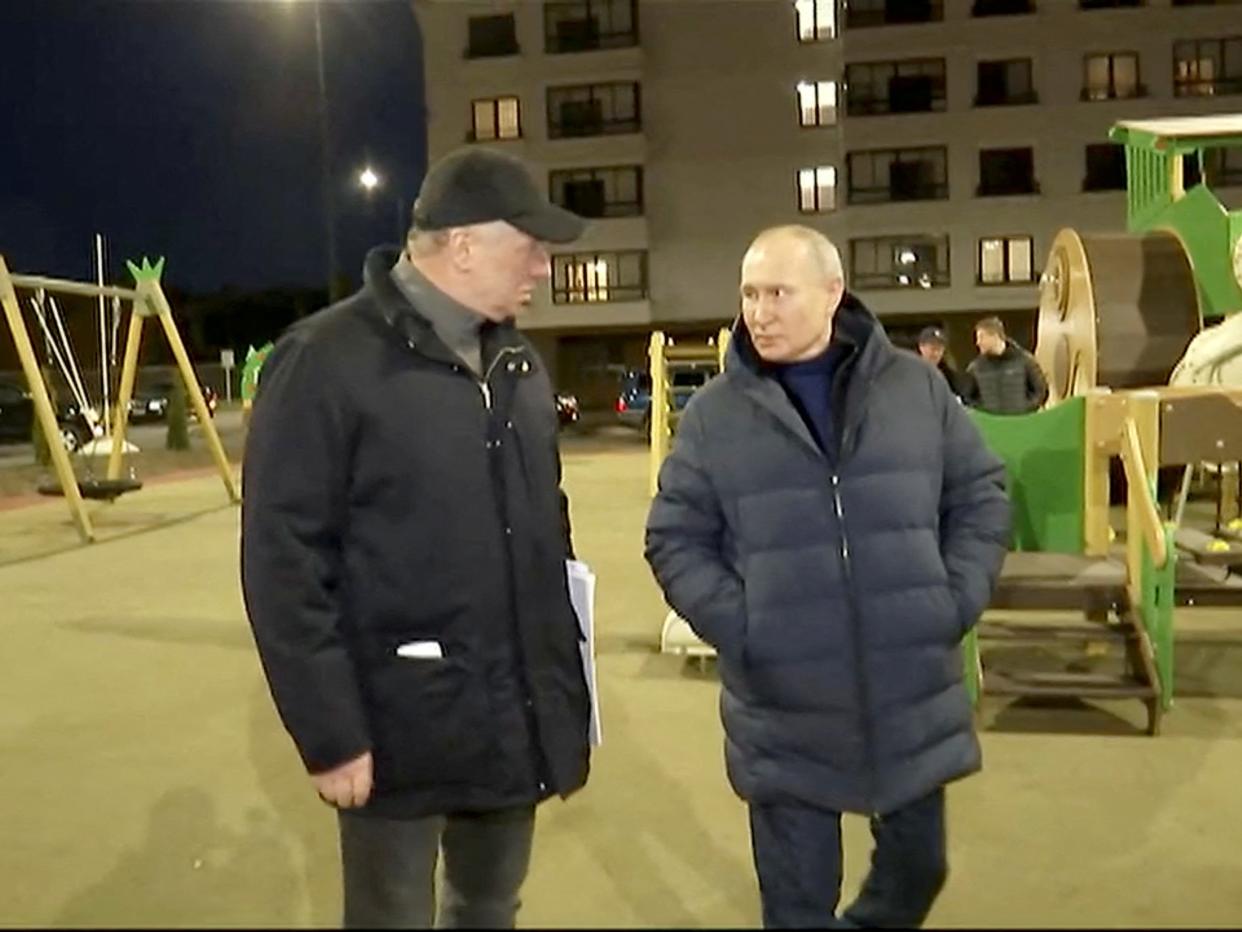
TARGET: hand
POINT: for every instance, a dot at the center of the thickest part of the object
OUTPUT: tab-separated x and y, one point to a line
346	786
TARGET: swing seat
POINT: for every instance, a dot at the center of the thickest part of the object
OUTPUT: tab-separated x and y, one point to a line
96	489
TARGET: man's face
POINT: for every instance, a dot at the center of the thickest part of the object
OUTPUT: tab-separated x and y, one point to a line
787	305
989	343
504	265
932	351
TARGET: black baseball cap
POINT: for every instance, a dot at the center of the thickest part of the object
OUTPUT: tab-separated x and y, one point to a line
475	185
932	335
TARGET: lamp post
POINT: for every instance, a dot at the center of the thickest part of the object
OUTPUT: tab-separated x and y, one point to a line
325	159
370	181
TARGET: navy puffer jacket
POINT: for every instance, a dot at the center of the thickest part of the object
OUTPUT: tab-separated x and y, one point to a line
835	584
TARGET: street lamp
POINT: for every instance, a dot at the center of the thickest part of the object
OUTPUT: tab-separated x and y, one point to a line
324	150
370	181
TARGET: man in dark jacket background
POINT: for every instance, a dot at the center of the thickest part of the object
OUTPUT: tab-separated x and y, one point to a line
832	523
934	347
1004	377
403	556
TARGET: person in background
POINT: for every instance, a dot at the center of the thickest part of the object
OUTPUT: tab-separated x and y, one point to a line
1004	377
933	347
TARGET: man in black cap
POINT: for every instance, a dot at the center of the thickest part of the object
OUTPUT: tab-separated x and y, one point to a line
403	556
932	347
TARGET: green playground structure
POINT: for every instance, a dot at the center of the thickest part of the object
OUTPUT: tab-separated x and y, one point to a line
1141	340
1053	461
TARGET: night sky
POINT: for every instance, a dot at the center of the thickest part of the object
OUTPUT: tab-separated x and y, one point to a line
190	129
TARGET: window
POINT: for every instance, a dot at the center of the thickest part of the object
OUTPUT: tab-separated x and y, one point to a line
817	103
491	36
1007	171
817	189
594	109
882	175
899	262
1223	167
588	25
912	86
1106	4
1003	83
1106	167
1207	67
1004	260
860	14
817	20
1110	76
599	192
1002	7
596	277
496	118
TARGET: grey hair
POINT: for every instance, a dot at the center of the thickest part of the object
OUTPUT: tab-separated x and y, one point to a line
826	254
423	243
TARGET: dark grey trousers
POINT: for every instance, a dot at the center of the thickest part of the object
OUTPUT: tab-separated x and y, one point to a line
390	864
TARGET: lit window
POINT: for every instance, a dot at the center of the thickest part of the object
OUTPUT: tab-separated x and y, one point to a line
817	189
1112	76
1005	260
817	103
817	20
496	118
588	278
1207	67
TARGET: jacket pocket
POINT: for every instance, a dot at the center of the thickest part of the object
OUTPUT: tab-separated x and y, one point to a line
429	722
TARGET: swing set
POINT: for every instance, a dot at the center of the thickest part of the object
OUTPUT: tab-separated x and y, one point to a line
109	422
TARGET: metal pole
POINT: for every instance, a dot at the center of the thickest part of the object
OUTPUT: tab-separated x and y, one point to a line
106	414
324	152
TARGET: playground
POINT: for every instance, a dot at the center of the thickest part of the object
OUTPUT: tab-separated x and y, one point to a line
150	783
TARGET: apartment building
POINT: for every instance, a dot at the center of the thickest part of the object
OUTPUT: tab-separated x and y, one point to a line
940	143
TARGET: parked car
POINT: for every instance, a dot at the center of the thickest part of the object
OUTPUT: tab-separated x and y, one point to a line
150	404
567	412
634	401
17	418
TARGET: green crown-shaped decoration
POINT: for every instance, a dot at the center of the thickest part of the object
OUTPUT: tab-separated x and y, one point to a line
146	272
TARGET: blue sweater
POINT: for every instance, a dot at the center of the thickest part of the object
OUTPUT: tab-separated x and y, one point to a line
809	386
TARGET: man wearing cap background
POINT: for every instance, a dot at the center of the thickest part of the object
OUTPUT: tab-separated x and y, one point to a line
933	347
403	556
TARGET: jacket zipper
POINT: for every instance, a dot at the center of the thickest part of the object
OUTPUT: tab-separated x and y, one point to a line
543	775
486	388
855	622
543	772
844	451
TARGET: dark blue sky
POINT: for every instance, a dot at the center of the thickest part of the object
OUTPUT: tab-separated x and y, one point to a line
189	129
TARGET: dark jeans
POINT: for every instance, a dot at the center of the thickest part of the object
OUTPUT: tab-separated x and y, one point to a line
389	869
798	859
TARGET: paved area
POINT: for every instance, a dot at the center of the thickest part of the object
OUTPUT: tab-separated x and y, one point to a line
148	781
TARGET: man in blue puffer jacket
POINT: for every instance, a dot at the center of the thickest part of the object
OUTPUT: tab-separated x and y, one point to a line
832	522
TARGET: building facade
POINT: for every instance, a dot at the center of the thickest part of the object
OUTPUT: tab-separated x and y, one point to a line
940	143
